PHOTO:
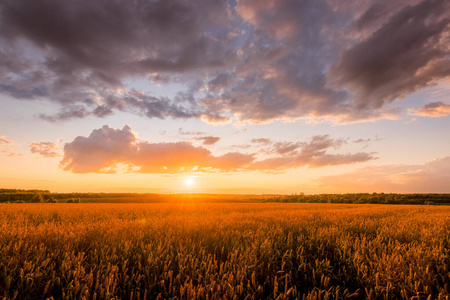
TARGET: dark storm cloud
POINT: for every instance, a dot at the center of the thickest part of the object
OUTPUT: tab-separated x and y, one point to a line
115	37
220	81
281	67
71	51
404	55
374	14
256	61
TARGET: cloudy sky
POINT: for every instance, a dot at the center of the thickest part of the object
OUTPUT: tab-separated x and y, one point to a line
239	96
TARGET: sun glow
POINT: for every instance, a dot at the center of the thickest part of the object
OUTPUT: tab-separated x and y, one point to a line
189	182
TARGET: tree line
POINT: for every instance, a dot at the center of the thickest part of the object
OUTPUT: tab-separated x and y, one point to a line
45	196
361	198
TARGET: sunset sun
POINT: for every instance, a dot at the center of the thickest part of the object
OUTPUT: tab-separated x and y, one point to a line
189	182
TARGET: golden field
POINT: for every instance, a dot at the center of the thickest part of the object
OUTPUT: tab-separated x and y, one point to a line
224	251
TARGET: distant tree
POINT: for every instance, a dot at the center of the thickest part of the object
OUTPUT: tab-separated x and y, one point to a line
37	199
73	200
51	200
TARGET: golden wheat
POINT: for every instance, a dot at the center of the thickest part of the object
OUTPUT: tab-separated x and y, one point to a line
224	251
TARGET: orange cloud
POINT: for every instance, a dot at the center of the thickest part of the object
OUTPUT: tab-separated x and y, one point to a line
208	140
11	153
5	141
215	119
106	149
46	149
8	151
431	110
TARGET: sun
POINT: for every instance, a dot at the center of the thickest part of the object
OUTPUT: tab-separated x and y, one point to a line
189	181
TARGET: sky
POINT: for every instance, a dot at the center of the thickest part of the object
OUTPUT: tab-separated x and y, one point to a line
238	96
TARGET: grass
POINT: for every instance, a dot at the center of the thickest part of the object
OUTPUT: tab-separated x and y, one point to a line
217	251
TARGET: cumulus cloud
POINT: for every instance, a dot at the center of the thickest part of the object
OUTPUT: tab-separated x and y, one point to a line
429	177
107	148
431	110
46	149
254	61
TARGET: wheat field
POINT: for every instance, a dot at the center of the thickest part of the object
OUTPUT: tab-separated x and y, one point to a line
224	251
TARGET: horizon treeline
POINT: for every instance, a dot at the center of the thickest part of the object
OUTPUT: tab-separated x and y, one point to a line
37	196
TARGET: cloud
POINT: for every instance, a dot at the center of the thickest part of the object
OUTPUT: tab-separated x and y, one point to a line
263	141
429	177
98	45
215	119
431	110
358	141
407	53
11	153
5	141
269	146
220	81
313	153
112	39
107	149
137	102
285	147
68	113
208	140
46	149
312	64
7	150
183	132
340	159
245	61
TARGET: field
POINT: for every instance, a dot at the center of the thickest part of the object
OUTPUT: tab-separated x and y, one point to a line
224	251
